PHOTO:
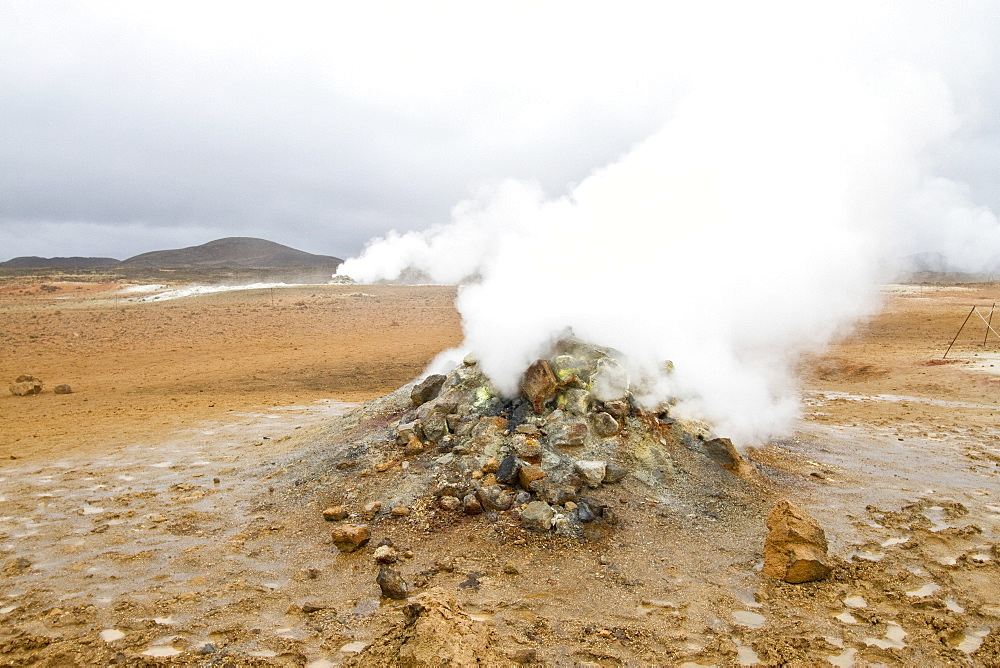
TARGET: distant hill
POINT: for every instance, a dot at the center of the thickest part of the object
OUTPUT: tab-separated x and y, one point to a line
232	253
228	253
33	262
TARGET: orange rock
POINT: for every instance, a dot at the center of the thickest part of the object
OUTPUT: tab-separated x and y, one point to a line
795	548
529	474
349	537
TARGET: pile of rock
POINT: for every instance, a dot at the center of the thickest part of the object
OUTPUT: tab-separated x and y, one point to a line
543	457
26	385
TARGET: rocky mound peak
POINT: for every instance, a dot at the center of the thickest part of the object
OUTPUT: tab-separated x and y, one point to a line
546	460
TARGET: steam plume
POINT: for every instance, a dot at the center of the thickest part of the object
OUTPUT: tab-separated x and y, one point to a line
745	231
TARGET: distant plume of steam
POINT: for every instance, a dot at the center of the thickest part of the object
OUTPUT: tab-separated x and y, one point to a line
747	230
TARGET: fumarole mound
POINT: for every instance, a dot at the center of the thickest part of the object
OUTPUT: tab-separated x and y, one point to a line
548	460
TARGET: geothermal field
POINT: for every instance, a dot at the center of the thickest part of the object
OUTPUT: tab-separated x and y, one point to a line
253	477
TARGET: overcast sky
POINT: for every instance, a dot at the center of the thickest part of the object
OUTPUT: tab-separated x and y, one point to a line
134	126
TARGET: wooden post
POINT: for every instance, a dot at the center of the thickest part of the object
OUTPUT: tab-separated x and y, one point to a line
958	332
989	324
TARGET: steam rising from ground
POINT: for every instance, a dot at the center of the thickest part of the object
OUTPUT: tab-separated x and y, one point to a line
750	228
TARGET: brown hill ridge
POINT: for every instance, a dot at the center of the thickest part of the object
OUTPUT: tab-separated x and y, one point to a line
227	253
232	252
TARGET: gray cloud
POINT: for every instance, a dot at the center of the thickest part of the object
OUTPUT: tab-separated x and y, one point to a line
127	127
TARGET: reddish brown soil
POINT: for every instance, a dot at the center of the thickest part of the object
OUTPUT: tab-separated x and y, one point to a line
143	370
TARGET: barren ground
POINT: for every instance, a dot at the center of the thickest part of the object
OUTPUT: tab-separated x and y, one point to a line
167	511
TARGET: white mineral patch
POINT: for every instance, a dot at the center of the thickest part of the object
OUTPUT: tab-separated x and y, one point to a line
973	639
162	465
354	647
263	654
936	515
139	289
843	660
163	621
895	541
111	635
197	290
855	602
92	510
747	597
847	618
836	642
980	557
745	656
162	651
894	635
947	561
870	556
749	619
952	604
926	590
321	663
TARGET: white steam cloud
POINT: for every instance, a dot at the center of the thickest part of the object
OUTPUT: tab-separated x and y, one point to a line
748	229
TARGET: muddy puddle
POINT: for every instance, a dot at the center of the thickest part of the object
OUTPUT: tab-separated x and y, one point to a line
163	548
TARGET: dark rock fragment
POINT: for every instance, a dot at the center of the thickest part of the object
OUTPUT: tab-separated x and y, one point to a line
508	470
391	583
427	389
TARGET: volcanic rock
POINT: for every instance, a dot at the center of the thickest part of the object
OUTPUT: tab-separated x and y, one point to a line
335	513
527	448
566	432
391	583
507	473
529	474
494	497
385	554
568	368
584	513
539	384
435	425
724	453
407	431
591	471
605	426
471	505
62	389
613	473
450	502
576	401
350	537
795	548
427	389
537	517
414	447
618	408
25	385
